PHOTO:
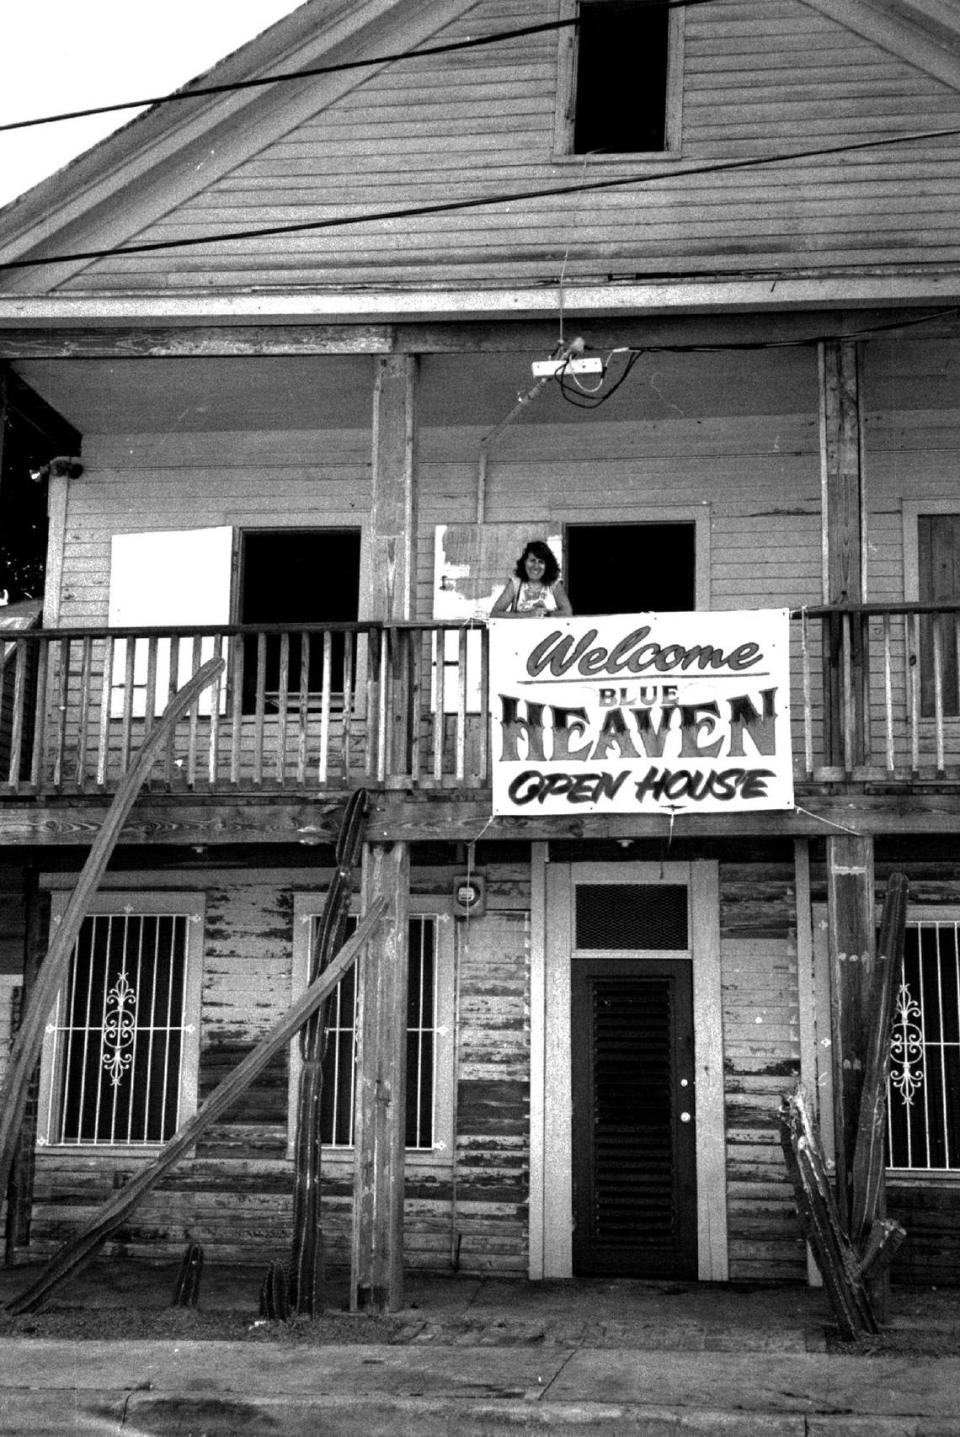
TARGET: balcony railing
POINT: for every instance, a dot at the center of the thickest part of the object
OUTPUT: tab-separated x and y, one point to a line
876	695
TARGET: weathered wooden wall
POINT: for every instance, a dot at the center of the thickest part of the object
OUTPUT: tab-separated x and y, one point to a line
235	1195
758	80
761	1041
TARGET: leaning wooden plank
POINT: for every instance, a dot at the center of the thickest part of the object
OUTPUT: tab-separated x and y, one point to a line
307	1250
869	1157
53	969
820	1219
82	1246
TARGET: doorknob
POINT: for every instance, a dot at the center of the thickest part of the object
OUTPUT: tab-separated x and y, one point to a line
685	1117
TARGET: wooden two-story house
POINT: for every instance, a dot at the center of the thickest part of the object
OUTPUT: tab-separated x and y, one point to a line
674	288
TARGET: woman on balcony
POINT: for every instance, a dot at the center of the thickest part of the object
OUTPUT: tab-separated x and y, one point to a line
534	590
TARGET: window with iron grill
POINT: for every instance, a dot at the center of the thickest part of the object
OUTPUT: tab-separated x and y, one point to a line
120	1055
923	1110
340	1042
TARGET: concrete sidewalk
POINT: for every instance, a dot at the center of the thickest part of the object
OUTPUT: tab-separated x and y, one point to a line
468	1356
214	1388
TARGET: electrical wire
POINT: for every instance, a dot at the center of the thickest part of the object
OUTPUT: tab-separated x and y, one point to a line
502	198
595	397
198	91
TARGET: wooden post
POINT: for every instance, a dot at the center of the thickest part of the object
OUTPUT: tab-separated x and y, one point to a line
844	574
376	1271
393	525
850	931
869	1230
376	1283
23	1166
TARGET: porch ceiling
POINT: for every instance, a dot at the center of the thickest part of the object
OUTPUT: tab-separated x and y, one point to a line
310	392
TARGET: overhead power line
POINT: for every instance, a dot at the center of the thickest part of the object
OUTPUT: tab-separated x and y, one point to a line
481	201
194	92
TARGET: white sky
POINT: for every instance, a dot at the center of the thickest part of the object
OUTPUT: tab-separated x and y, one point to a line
69	54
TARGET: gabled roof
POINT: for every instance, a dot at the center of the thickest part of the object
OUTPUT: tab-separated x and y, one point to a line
171	152
147	178
925	33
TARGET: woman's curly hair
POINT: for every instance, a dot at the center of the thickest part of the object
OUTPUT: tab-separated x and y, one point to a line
540	550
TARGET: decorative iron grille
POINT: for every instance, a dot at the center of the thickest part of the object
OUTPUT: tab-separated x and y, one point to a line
118	1032
923	1109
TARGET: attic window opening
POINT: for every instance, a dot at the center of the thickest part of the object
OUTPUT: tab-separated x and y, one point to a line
621	78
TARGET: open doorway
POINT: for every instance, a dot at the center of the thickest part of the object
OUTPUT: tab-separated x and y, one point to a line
291	577
630	568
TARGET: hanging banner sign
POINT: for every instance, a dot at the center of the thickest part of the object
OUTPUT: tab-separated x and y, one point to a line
641	713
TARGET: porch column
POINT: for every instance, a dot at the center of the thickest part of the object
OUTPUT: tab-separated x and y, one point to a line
376	1283
844	574
393	516
851	942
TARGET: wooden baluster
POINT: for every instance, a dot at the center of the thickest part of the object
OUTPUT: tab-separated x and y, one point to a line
399	757
236	714
172	677
807	694
440	669
461	759
849	709
83	711
40	720
956	658
62	676
216	698
349	698
106	692
150	693
484	743
322	766
259	708
374	638
416	698
937	634
283	692
913	660
383	709
22	661
888	692
126	725
303	719
193	717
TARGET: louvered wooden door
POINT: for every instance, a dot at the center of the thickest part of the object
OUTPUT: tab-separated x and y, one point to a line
634	1153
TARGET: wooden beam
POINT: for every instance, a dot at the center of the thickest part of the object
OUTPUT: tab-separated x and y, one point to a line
252	818
246	818
850	936
376	1268
532	336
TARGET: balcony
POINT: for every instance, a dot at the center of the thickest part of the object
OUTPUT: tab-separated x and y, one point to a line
875	697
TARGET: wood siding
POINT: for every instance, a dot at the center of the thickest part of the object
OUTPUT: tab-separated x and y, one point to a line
761	1041
757	81
235	1195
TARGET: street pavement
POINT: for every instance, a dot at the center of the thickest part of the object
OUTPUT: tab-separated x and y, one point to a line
468	1357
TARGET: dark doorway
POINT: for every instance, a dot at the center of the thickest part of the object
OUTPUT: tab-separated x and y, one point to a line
634	1150
291	577
31	435
630	568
